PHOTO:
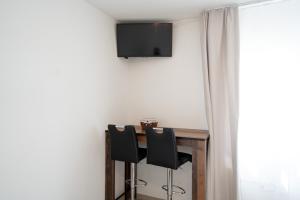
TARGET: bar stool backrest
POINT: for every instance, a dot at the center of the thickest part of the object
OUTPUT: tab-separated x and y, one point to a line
124	144
162	148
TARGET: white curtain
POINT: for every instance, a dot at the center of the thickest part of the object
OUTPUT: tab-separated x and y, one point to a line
269	128
220	55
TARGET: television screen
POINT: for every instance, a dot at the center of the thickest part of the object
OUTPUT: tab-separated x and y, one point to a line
144	40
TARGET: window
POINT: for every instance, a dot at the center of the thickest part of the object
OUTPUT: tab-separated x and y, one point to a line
269	129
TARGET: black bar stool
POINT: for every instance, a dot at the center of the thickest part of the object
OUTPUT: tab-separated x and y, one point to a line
162	151
124	147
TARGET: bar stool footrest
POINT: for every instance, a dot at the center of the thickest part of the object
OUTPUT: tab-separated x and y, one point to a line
138	182
179	190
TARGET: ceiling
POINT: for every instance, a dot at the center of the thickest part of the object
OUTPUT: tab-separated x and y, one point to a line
158	9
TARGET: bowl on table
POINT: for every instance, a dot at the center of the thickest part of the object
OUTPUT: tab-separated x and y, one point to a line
153	123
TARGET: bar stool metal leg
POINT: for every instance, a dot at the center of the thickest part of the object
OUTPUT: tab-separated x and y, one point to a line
132	182
170	184
170	188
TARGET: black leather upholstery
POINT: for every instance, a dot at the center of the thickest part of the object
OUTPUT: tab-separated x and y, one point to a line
162	149
124	145
183	158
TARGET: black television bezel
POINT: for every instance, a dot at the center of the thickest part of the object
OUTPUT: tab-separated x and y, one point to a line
145	56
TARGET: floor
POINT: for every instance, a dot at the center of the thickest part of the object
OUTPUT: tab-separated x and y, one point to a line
142	197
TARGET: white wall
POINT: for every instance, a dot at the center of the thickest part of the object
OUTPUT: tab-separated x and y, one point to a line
60	84
171	90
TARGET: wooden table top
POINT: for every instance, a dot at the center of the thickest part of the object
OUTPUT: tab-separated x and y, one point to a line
196	134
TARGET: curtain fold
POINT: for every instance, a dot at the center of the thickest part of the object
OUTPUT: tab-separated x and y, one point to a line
220	57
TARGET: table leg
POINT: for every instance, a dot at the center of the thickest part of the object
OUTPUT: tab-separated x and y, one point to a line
109	171
136	176
127	177
199	170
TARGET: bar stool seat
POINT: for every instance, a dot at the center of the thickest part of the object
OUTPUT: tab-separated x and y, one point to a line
183	158
142	153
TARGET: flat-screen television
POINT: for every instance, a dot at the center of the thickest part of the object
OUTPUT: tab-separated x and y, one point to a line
144	40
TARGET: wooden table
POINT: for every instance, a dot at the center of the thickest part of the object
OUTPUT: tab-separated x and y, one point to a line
196	139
